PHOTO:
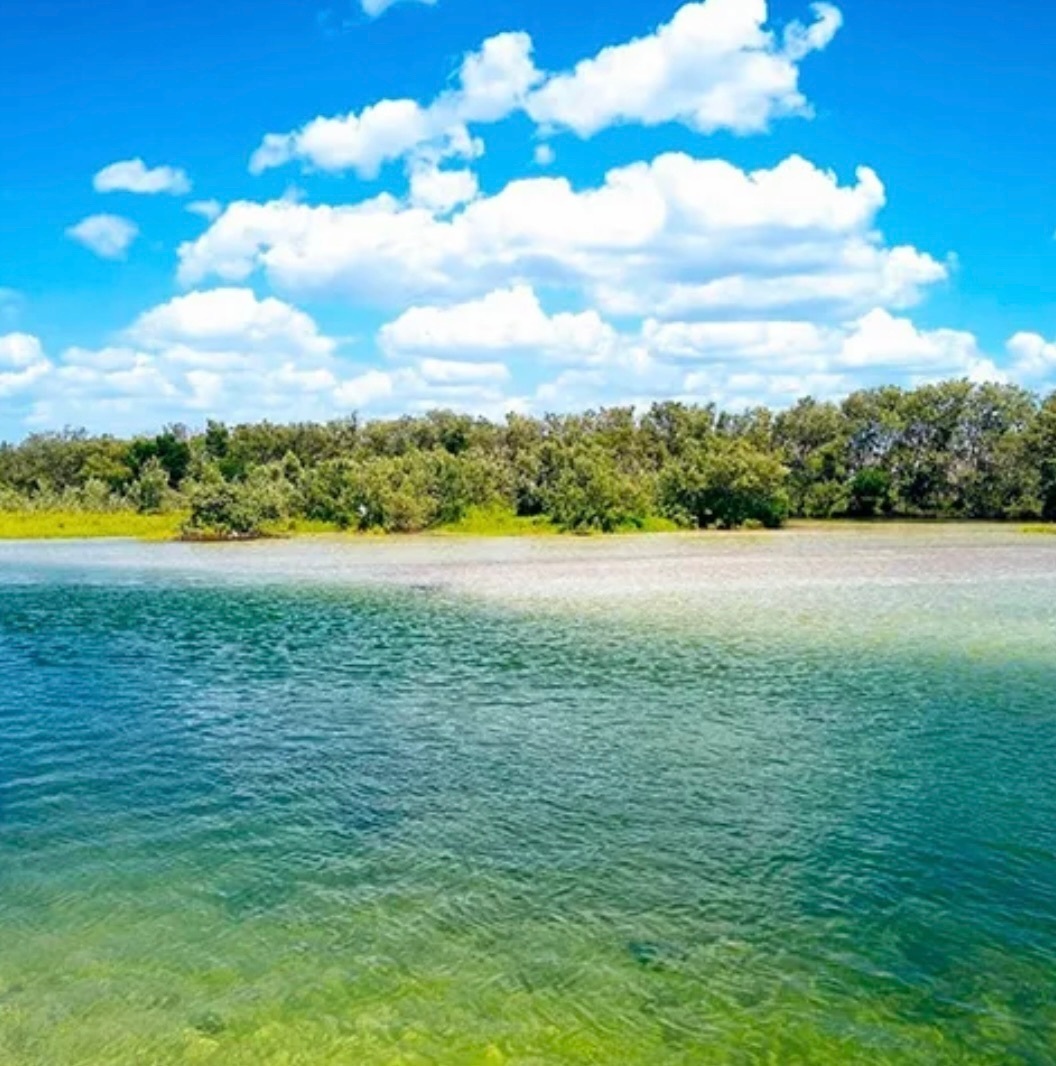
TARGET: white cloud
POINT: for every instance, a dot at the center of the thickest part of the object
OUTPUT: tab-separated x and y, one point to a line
226	353
877	345
230	318
441	191
733	362
428	386
800	40
366	389
375	8
458	372
210	210
879	339
492	82
713	66
222	352
360	142
496	80
1034	358
676	237
860	271
507	321
19	350
133	175
22	363
109	236
544	155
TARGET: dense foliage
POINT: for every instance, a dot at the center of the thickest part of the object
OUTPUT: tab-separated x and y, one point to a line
953	450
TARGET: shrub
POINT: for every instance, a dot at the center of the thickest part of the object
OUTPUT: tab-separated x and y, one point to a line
725	482
239	509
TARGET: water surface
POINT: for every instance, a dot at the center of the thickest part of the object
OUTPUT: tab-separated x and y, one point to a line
744	799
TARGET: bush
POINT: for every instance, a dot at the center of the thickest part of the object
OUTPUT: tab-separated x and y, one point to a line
869	493
239	510
586	491
724	482
150	491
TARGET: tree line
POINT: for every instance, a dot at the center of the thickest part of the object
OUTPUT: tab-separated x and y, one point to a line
950	450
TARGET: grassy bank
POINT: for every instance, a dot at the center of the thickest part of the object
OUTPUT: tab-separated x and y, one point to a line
495	522
477	522
53	525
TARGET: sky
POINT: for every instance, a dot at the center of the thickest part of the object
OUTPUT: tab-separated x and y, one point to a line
297	209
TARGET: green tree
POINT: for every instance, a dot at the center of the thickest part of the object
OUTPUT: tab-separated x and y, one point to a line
1043	446
812	440
869	493
240	509
171	448
725	483
150	491
584	489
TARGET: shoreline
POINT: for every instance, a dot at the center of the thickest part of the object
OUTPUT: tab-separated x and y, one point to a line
166	528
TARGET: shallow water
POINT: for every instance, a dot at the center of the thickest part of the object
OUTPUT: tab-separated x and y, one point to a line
783	798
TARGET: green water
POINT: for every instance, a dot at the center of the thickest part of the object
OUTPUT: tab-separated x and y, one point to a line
781	799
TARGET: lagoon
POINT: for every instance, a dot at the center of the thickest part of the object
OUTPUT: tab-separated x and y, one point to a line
669	799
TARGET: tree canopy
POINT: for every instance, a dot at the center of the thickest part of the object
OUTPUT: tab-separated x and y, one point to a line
950	450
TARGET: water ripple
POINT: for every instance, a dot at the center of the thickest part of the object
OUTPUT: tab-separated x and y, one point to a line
676	801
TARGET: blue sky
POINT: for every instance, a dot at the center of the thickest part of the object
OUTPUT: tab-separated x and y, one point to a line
451	212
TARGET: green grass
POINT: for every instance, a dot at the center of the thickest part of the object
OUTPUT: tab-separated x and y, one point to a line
477	522
55	525
497	522
1042	529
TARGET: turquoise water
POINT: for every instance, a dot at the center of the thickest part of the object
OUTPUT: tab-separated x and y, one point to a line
784	799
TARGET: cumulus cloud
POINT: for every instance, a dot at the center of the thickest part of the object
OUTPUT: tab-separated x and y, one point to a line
441	191
672	277
1033	357
222	352
713	66
512	323
674	237
429	385
22	363
19	350
230	319
460	372
360	142
491	83
109	236
230	354
877	344
133	175
734	362
495	80
508	321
